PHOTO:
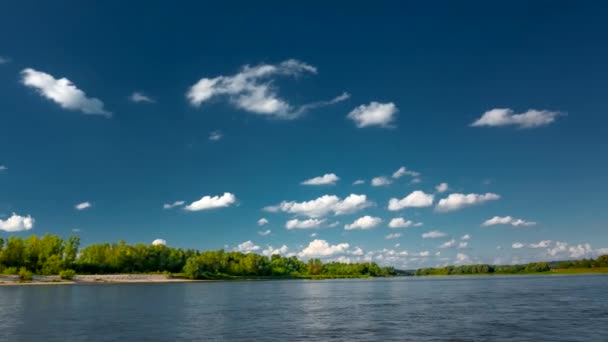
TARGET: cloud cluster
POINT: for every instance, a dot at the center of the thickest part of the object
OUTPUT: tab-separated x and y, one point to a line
252	90
138	97
416	199
434	234
507	220
326	179
17	223
270	251
63	92
321	248
322	206
209	202
159	242
374	114
403	171
506	117
380	181
443	187
215	135
459	201
262	221
247	247
400	222
364	222
83	205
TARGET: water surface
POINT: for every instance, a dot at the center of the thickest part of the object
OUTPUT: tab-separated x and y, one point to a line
519	308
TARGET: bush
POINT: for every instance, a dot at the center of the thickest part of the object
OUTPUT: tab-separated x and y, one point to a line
25	275
10	271
67	274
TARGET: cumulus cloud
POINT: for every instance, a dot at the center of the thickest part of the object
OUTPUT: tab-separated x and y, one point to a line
393	236
215	135
465	237
541	244
364	222
400	222
374	114
462	258
326	179
380	181
463	244
403	171
321	248
208	202
323	206
63	92
83	205
270	251
443	187
424	253
359	182
252	90
416	199
449	244
264	232
159	242
138	97
459	201
173	205
17	223
247	247
517	245
506	117
507	220
303	224
434	234
262	221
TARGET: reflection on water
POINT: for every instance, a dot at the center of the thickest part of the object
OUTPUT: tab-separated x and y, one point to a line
556	308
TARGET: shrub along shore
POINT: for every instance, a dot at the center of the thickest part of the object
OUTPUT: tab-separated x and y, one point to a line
51	259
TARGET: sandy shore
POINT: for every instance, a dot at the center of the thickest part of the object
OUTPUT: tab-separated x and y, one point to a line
94	279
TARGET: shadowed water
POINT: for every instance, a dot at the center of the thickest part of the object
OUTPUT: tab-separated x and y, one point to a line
520	308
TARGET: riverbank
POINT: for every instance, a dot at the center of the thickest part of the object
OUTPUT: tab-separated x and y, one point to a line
565	271
8	280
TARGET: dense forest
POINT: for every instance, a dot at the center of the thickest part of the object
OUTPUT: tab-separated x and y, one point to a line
533	267
51	255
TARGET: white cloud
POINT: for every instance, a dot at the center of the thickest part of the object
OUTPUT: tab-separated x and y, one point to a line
83	205
252	90
374	114
208	202
173	205
541	244
449	244
424	253
303	224
380	181
17	223
443	187
326	179
465	237
357	251
264	232
215	135
313	235
506	117
138	97
400	222
333	224
323	205
459	201
463	244
517	245
434	234
403	171
159	242
359	182
247	247
63	92
393	236
3	168
417	199
321	248
262	221
364	222
270	251
4	60
507	220
462	258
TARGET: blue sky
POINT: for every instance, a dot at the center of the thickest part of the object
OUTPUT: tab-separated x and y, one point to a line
129	108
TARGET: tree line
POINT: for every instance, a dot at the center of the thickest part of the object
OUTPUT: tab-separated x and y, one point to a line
533	267
51	255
